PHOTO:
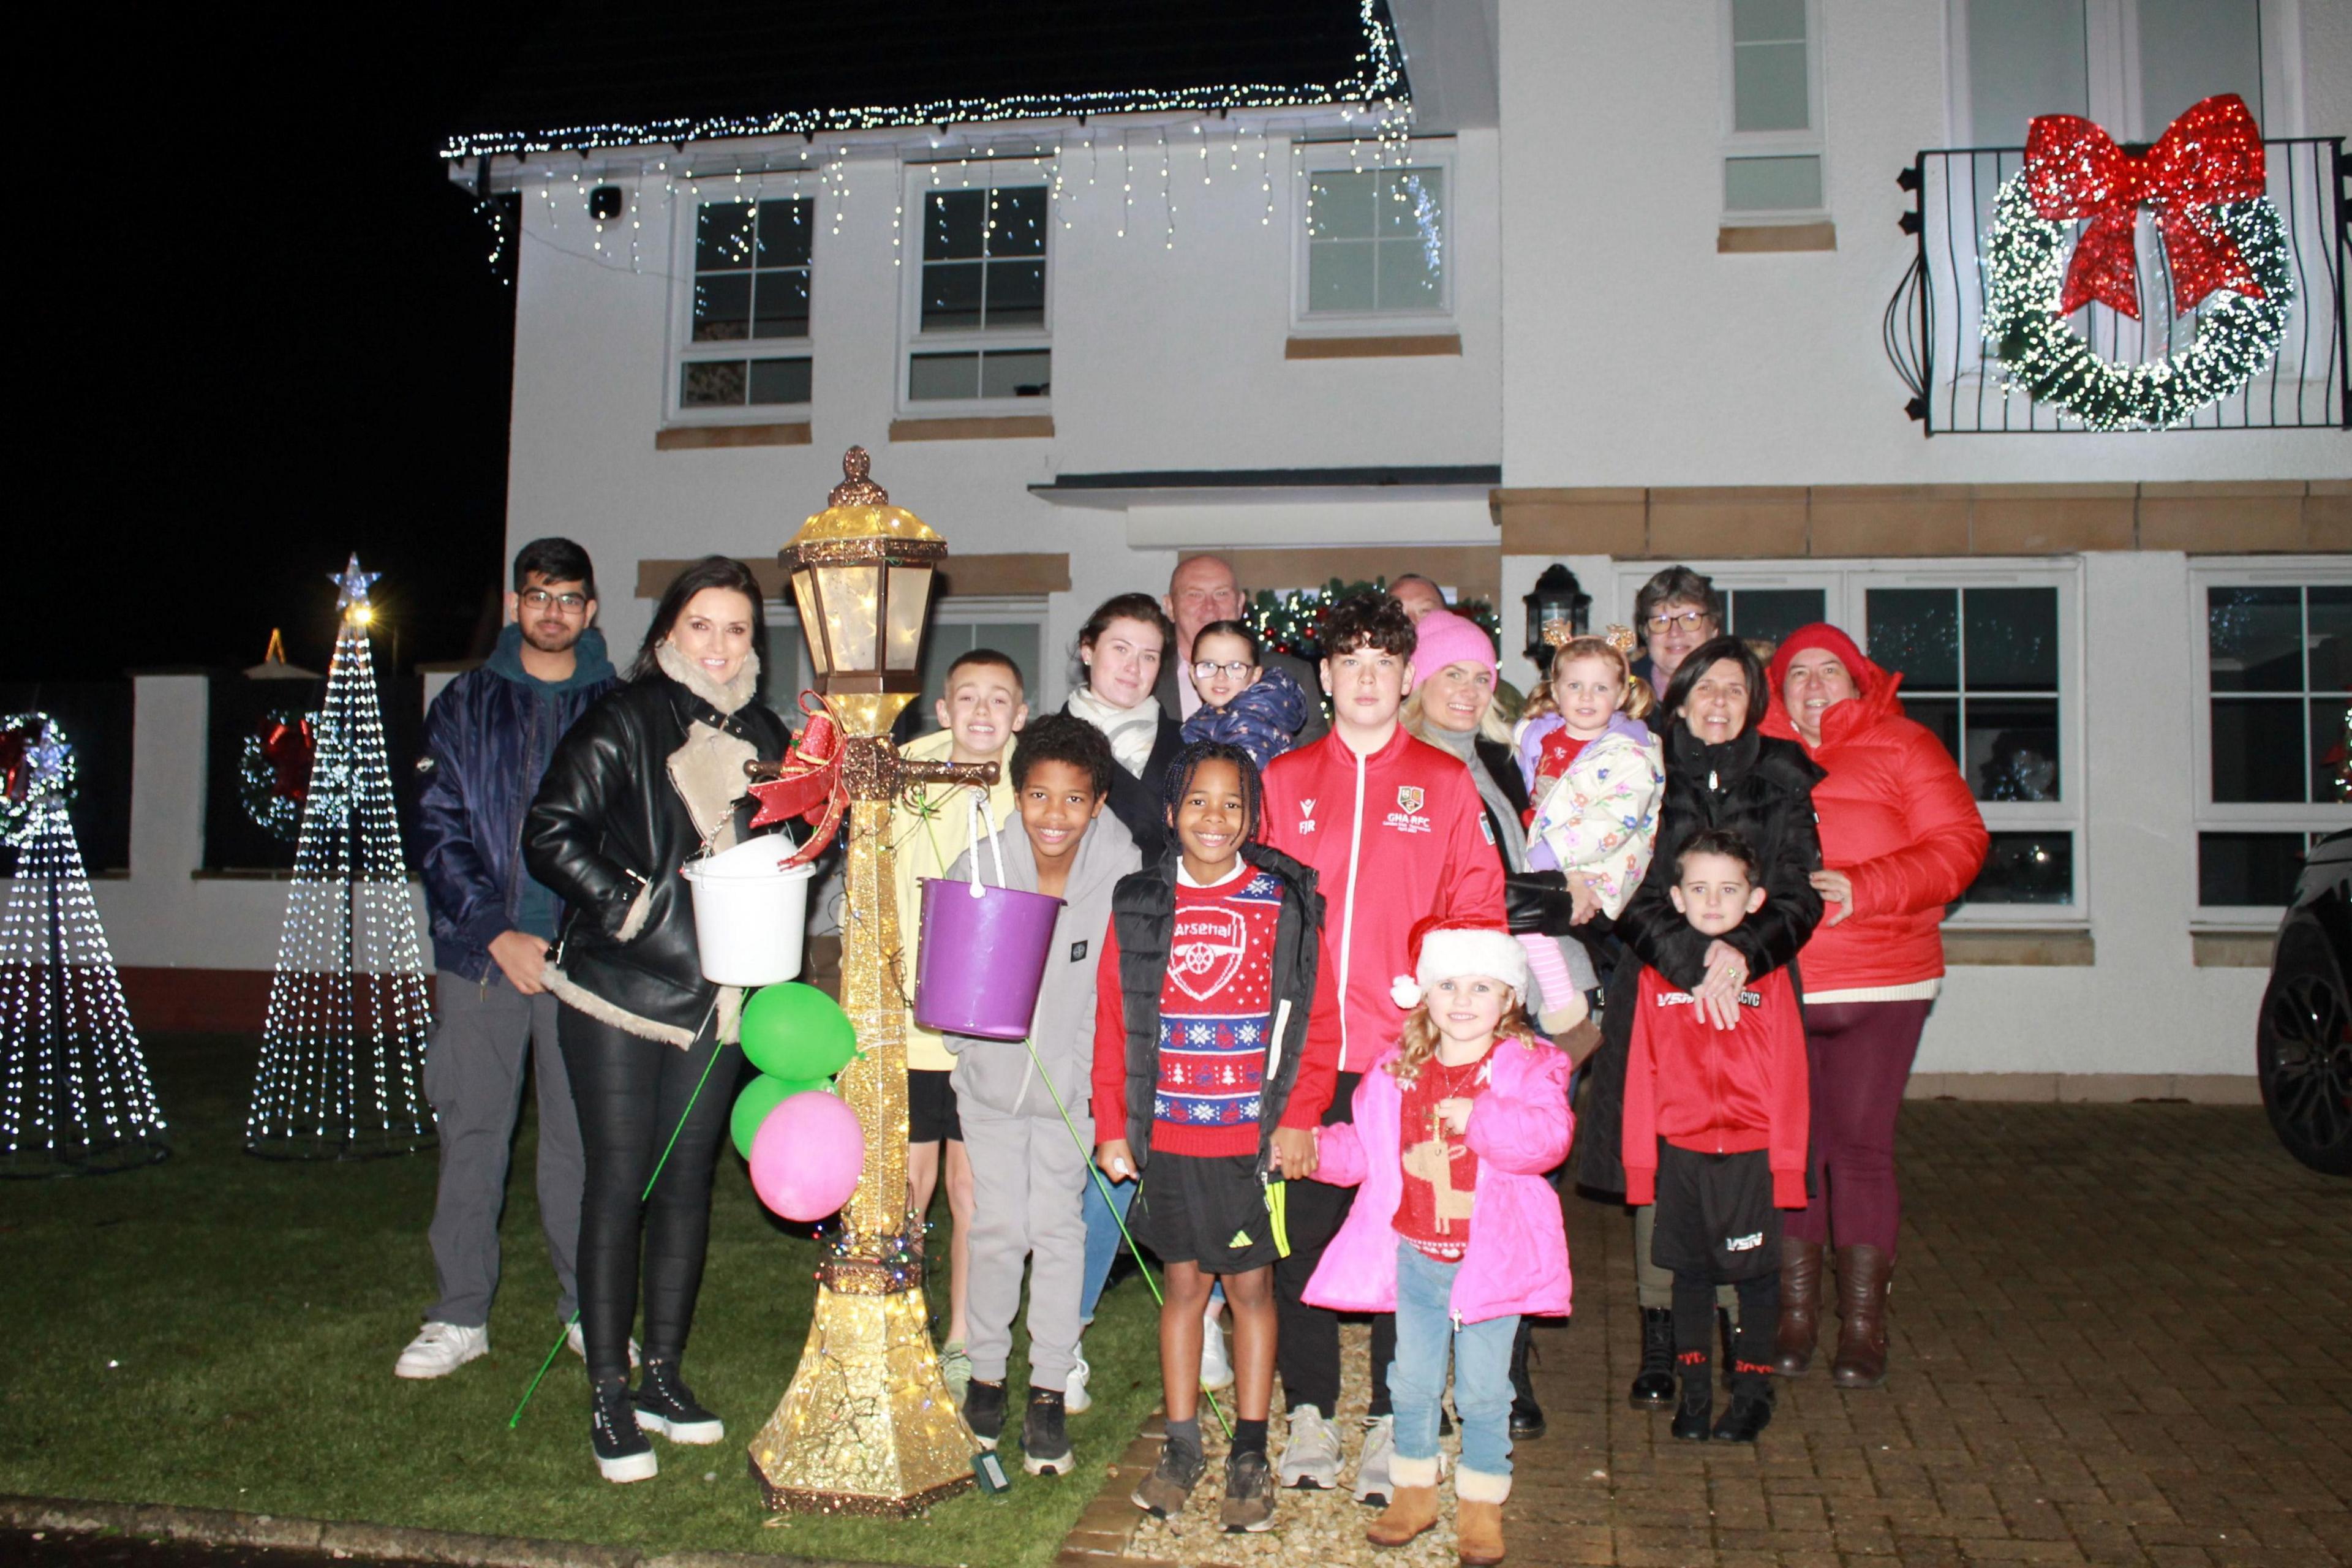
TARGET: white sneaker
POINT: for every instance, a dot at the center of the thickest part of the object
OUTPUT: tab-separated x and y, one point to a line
1311	1456
1372	1466
1216	1367
440	1349
1076	1400
578	1341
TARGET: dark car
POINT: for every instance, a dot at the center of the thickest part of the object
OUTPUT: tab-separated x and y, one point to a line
2302	1046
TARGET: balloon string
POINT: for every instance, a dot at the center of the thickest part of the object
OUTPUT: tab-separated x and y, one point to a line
1095	1172
565	1331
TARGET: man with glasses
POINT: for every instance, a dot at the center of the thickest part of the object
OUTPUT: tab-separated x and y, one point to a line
1203	589
1675	612
487	739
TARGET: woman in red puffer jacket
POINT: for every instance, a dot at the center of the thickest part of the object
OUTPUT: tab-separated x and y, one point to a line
1901	838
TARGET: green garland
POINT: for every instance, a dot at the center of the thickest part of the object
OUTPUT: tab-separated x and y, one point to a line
1292	623
51	762
2237	335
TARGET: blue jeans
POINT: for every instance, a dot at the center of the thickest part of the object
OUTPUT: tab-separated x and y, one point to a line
1103	1240
1482	1368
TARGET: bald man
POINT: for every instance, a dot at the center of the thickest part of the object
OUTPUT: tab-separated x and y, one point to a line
1204	589
1417	593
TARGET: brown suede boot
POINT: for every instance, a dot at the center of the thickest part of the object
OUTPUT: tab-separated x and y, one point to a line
1863	1276
1412	1511
1478	1517
1801	1306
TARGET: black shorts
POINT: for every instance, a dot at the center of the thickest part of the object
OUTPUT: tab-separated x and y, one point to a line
931	1108
1715	1216
1208	1210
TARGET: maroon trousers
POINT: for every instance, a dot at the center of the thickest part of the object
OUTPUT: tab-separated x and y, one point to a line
1860	1054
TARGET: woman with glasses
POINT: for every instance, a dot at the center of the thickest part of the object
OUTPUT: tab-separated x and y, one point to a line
1675	612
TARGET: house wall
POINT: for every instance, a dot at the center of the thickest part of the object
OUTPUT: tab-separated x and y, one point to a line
1639	356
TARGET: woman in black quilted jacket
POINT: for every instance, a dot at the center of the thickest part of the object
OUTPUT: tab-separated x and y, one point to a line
648	779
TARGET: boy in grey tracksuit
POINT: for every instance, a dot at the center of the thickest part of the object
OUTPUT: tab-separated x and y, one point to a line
1029	1173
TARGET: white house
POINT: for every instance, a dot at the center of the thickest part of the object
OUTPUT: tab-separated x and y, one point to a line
1525	281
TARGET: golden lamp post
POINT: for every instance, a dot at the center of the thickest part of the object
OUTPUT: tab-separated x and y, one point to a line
868	1425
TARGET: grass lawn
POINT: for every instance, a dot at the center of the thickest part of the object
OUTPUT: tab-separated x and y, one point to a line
218	1332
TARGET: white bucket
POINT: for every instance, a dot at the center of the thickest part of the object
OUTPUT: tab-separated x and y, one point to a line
750	917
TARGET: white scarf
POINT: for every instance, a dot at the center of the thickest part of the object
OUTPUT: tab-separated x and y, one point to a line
1131	732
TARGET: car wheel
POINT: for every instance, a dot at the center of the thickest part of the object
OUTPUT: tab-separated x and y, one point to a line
2303	1052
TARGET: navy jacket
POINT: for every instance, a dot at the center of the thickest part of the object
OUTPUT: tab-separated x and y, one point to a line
483	742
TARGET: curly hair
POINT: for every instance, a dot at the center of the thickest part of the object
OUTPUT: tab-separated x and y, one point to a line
1368	620
1420	1037
1175	784
1636	701
1063	738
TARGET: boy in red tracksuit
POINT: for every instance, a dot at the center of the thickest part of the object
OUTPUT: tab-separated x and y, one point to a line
1716	1106
1394	830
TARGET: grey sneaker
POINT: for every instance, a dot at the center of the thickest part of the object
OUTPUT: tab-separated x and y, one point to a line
1170	1485
1373	1467
1311	1456
1249	1494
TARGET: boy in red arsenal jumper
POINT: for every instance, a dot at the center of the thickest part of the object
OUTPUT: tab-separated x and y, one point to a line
1714	1135
1216	1035
1395	832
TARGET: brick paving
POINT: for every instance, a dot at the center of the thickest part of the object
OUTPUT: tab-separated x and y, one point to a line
2121	1334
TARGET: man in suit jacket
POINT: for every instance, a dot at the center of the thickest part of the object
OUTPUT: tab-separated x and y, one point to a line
1203	589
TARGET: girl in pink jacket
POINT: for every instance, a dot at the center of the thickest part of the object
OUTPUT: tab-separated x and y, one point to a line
1455	1231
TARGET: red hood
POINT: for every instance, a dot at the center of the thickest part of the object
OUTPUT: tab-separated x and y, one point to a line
1874	700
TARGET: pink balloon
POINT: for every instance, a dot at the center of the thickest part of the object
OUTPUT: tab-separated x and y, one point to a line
807	1156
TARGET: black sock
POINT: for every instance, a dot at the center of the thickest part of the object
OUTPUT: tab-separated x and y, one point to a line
1185	1434
1249	1436
1751	1355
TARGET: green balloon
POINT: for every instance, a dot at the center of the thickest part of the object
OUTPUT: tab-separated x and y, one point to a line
796	1031
760	1096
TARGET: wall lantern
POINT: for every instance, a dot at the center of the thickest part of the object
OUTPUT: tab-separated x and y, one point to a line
1558	600
605	202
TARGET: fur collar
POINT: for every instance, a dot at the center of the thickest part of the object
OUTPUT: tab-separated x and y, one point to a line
727	699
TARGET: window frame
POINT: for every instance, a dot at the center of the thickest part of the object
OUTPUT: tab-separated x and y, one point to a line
681	350
2209	816
1845	586
1811	142
1308	159
918	180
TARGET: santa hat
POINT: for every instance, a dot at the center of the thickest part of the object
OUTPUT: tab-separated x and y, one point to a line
1446	949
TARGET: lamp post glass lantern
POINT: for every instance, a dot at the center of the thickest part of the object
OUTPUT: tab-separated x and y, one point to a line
1558	601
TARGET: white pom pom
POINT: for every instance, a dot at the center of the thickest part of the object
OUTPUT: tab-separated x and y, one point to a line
1405	991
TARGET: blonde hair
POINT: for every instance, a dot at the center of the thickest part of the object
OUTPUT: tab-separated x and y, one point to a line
1616	647
1419	1036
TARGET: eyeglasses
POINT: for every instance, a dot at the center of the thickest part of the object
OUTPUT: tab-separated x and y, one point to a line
1689	620
540	598
1235	670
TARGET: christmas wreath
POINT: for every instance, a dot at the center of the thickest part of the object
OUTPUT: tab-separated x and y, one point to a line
273	776
2204	178
36	764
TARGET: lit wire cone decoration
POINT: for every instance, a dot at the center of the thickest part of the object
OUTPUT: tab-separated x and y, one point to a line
868	1425
75	1097
342	1043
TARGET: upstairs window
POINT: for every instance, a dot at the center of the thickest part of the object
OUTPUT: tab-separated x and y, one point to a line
979	298
1377	243
1772	140
2130	65
747	308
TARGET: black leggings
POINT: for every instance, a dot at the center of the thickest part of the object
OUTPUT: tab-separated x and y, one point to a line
630	1093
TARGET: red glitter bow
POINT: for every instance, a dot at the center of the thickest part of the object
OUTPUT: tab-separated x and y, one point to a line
15	769
2213	154
809	784
290	748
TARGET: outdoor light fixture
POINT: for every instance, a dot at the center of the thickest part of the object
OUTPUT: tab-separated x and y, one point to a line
605	202
1558	600
862	572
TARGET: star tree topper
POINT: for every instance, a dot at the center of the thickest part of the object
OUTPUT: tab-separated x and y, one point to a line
354	584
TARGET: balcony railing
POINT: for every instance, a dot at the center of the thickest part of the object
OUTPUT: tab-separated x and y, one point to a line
1934	324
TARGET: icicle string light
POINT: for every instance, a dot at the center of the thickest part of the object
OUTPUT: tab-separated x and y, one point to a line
342	1047
75	1095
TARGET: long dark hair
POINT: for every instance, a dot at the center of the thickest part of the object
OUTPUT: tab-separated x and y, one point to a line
1177	780
1706	656
710	572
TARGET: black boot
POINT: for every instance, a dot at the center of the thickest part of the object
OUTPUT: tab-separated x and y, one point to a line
1695	1416
1527	1415
983	1411
1653	1386
1751	1403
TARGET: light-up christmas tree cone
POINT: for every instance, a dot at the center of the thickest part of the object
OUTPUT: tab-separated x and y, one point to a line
75	1097
869	1425
342	1045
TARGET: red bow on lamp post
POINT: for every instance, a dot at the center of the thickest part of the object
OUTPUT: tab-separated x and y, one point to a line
808	782
2213	154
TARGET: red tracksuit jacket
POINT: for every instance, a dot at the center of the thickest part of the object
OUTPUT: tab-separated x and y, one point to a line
1717	1091
1392	838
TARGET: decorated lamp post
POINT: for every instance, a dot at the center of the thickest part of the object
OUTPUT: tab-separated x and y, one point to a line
868	1425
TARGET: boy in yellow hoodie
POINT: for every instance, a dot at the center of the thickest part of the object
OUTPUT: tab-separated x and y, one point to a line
929	828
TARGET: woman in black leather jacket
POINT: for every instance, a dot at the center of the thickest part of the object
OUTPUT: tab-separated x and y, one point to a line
648	779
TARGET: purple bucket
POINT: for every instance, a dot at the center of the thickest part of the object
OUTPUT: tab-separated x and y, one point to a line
981	958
